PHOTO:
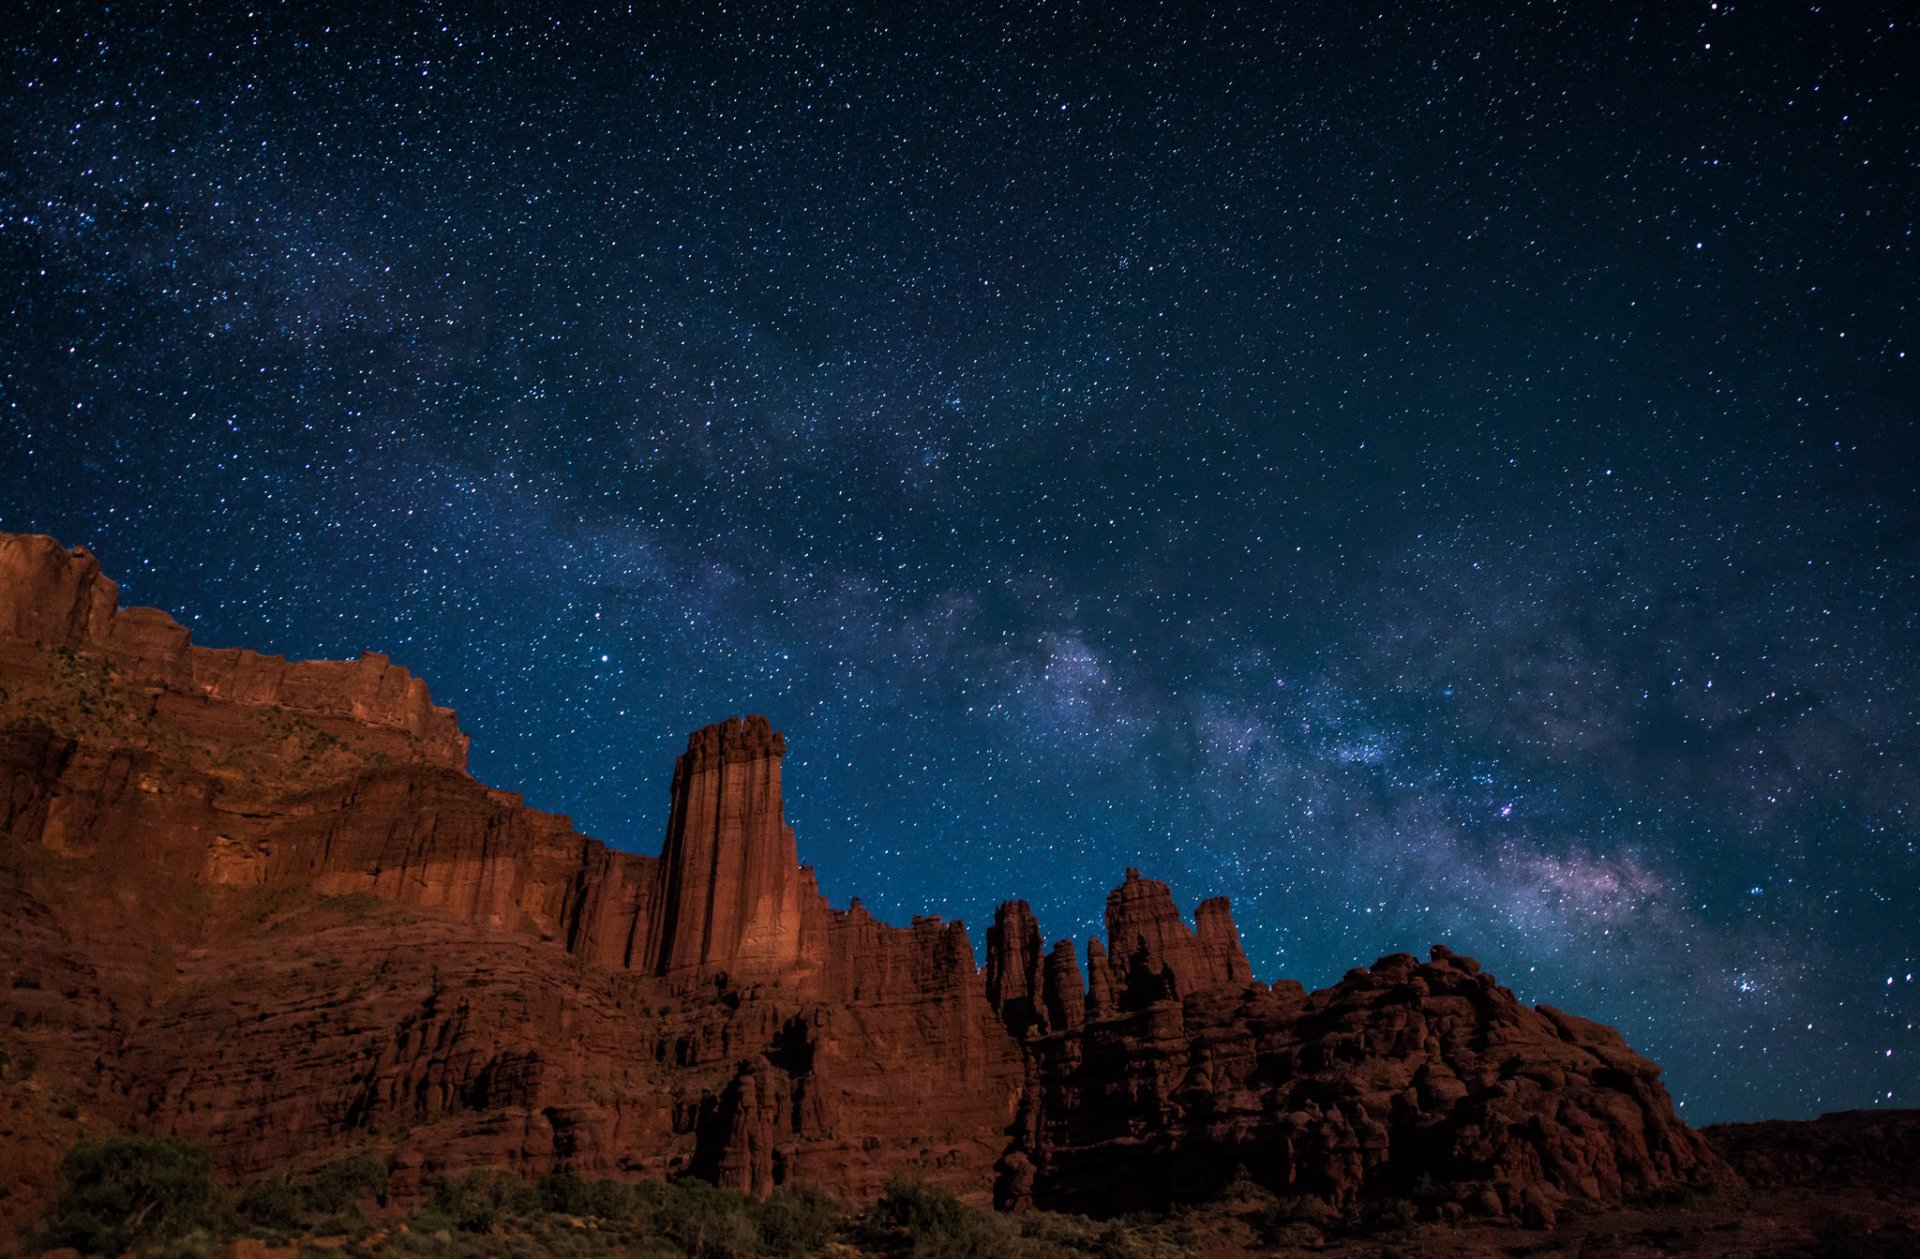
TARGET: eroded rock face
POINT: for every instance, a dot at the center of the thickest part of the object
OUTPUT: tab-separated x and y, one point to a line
1153	956
54	596
1016	972
260	904
733	897
1408	1079
58	600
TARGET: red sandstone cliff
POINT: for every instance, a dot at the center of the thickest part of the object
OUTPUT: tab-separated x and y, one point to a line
260	904
54	598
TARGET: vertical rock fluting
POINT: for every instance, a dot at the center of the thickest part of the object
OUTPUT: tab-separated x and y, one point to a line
195	841
733	896
1066	995
1015	985
1099	1002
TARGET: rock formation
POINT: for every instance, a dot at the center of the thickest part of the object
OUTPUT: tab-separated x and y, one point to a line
1399	1077
260	904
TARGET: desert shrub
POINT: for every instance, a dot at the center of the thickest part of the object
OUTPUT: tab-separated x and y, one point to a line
1391	1217
195	1244
429	1222
1242	1187
705	1222
273	1205
330	1194
565	1193
1141	1236
916	1208
1052	1235
926	1222
124	1193
799	1221
637	1204
478	1200
1117	1241
1293	1221
343	1184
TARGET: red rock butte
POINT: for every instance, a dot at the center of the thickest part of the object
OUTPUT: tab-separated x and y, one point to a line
261	905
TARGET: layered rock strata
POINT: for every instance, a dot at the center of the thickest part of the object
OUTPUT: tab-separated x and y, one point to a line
260	904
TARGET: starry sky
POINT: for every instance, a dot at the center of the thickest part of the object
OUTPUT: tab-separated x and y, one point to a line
1432	472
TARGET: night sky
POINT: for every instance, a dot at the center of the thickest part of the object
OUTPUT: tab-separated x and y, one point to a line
1436	475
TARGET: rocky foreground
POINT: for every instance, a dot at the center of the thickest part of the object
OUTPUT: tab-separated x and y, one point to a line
262	906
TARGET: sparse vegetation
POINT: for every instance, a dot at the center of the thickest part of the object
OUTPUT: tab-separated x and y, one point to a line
338	1191
79	694
156	1198
130	1193
799	1221
926	1222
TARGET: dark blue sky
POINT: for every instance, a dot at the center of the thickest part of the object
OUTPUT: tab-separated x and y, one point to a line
1441	475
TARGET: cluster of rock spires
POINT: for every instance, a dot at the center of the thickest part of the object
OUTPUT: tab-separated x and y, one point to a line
261	905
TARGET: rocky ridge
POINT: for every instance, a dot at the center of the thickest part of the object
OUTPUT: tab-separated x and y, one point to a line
261	904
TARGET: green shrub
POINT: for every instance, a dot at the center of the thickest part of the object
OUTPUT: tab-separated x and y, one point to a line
429	1221
342	1185
799	1221
478	1200
1392	1217
331	1193
123	1193
706	1222
565	1193
916	1208
272	1205
926	1222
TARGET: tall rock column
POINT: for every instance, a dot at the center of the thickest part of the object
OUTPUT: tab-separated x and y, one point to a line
1099	1003
1014	980
1065	990
1219	938
733	895
1153	954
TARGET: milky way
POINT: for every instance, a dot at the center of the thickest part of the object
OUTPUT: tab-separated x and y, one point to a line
1441	475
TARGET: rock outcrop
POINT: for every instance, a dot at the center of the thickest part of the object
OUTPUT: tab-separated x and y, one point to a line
1404	1076
57	599
260	904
